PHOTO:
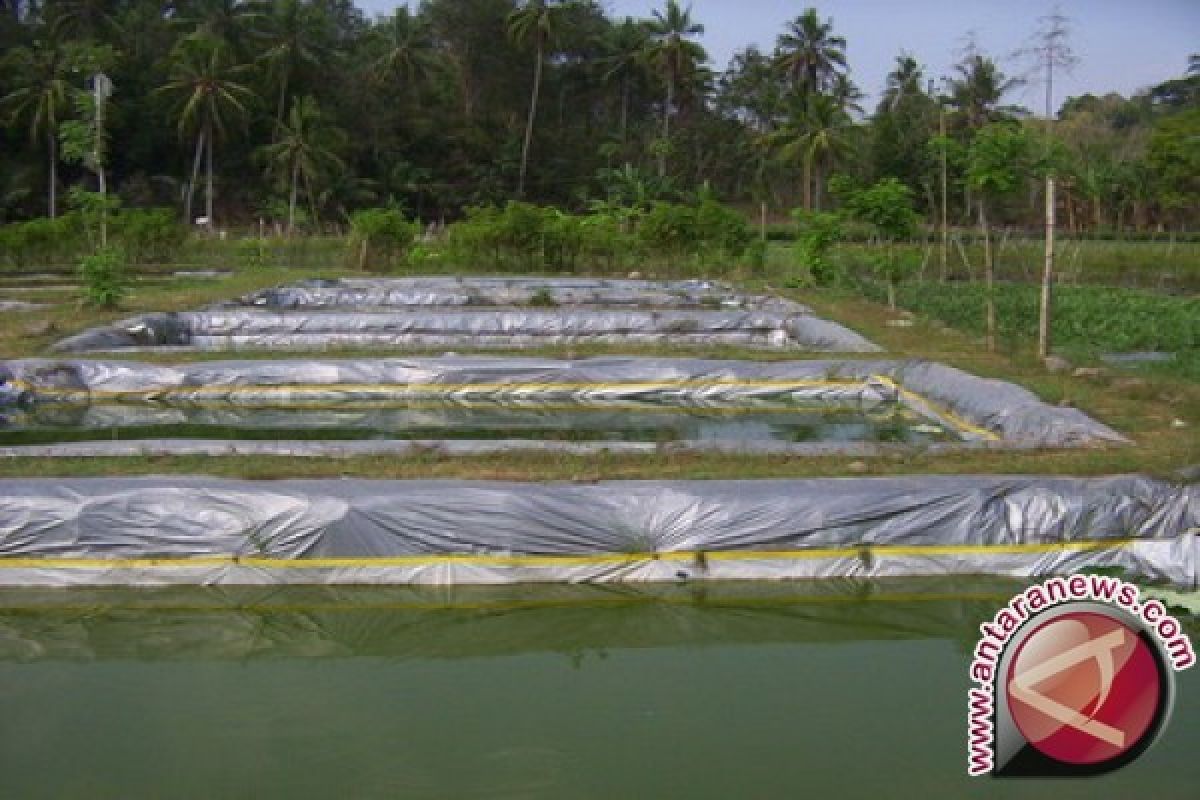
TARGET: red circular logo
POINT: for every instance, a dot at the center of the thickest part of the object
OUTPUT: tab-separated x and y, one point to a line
1084	688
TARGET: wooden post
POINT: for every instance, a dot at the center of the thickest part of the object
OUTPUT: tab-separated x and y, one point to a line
1047	274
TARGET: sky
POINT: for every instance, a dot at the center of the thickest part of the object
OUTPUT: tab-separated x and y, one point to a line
1122	45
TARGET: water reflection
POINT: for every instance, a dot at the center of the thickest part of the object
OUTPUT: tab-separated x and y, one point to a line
196	623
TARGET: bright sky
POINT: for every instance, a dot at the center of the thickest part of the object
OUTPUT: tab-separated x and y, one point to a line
1122	45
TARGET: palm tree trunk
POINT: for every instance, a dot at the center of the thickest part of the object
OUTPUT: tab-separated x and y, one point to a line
282	102
208	177
988	276
191	187
312	203
624	108
662	153
292	198
533	104
817	186
53	188
807	178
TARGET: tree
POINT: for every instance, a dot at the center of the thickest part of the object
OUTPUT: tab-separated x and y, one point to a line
810	54
978	90
407	48
206	89
816	133
289	32
225	21
902	127
1174	160
43	99
535	24
887	207
305	148
626	45
996	166
675	56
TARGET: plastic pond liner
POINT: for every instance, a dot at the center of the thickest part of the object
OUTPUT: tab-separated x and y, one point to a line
480	313
479	404
160	531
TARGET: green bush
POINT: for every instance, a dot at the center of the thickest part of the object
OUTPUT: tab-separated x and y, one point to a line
103	277
251	253
43	241
380	236
721	228
755	257
669	230
818	231
148	235
562	240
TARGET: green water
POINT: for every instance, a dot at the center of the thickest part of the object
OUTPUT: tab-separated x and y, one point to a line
693	691
65	423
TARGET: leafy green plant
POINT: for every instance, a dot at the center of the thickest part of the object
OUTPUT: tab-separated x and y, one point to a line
819	231
252	253
380	235
887	207
103	276
148	235
542	298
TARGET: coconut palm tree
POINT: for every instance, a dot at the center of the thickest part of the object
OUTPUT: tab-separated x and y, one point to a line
83	19
670	50
978	90
207	90
287	30
810	54
534	24
626	46
817	134
902	83
226	21
304	151
407	48
42	101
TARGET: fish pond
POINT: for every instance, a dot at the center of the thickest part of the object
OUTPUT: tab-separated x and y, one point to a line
838	688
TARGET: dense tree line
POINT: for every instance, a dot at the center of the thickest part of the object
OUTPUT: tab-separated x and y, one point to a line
301	111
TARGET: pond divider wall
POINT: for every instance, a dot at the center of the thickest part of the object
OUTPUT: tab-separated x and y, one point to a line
239	329
480	313
159	531
981	412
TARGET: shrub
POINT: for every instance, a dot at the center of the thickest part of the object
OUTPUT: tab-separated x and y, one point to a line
43	241
148	234
562	239
251	253
722	228
818	232
103	276
755	257
380	232
669	229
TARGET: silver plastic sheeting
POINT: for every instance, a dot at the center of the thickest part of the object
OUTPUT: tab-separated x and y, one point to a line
408	292
194	530
231	329
975	407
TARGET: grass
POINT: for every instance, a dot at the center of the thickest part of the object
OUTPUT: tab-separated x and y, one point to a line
1145	407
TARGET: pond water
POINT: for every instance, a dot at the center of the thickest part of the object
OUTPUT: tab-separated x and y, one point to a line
65	423
697	691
